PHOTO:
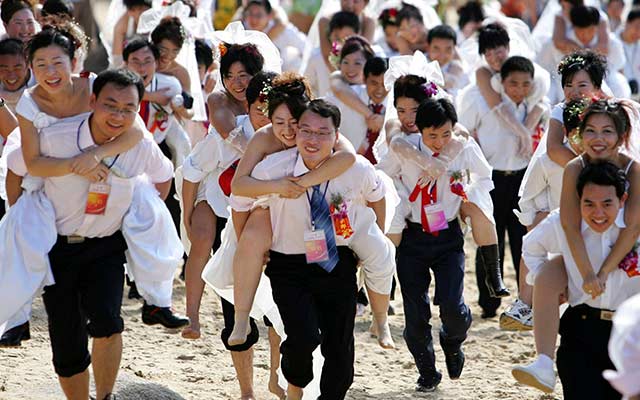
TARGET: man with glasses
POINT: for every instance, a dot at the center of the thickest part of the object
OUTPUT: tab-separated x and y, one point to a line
311	268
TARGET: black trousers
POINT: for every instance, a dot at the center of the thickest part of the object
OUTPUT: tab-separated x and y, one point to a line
505	200
317	308
85	299
418	253
583	355
172	203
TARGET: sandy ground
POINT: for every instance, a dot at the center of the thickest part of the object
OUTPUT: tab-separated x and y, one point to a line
202	369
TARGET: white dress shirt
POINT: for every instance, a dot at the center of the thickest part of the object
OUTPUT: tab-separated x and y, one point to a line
160	82
632	54
208	159
68	193
499	144
353	125
470	161
291	218
318	74
548	237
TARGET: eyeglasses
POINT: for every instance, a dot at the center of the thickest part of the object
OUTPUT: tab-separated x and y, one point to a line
139	64
320	134
164	50
126	112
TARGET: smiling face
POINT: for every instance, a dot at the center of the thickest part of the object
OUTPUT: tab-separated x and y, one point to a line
579	86
256	17
441	50
114	110
437	138
600	140
168	53
285	127
236	81
496	57
13	71
599	206
143	63
407	109
411	30
375	88
517	85
52	68
316	138
352	67
22	25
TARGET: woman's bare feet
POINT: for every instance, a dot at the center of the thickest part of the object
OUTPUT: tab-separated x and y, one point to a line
275	388
192	331
241	328
380	329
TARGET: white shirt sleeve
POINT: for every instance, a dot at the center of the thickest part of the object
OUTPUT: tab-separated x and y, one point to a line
202	159
557	112
538	244
373	188
467	107
158	167
390	164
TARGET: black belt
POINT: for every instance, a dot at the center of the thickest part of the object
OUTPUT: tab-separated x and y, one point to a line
509	173
588	312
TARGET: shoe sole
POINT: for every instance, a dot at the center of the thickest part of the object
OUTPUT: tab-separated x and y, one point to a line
528	379
151	323
508	323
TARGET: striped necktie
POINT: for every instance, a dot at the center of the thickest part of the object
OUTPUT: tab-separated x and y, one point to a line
322	221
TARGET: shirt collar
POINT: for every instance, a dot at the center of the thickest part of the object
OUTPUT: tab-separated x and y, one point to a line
300	169
85	140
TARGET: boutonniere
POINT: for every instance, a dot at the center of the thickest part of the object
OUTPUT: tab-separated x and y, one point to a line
629	263
340	216
160	119
456	184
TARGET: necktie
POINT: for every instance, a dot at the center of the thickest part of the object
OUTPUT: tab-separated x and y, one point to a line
372	136
322	221
426	199
144	111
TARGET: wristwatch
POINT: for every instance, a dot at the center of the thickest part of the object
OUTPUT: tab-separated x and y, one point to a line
2	102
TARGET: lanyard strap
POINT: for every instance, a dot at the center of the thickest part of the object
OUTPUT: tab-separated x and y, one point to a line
82	150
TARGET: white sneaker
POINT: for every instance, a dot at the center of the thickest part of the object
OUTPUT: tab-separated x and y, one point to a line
518	317
539	374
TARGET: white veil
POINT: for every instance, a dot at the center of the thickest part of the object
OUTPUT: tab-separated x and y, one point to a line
418	65
235	33
187	56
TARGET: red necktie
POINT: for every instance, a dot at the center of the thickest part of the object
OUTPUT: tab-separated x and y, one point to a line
372	136
426	199
226	177
144	111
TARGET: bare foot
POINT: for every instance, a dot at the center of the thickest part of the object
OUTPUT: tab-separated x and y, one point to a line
191	332
241	330
383	334
275	388
248	397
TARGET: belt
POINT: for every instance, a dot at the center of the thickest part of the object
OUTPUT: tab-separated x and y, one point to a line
588	312
509	173
74	239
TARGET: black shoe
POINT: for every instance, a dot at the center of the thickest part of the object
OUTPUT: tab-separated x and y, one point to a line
15	335
391	310
427	385
490	261
133	292
455	363
488	314
152	315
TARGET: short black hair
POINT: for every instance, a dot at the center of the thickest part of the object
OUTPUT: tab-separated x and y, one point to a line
325	109
57	7
10	7
589	61
290	89
602	173
136	44
129	4
492	36
470	12
584	16
50	36
257	84
442	32
633	15
262	3
376	66
171	29
122	78
204	53
409	11
434	113
11	46
343	19
516	64
409	86
246	54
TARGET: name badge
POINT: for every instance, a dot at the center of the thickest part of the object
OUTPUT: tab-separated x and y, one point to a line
315	246
436	217
97	198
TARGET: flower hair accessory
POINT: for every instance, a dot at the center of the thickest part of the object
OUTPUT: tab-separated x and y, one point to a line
334	56
263	97
222	49
570	61
430	89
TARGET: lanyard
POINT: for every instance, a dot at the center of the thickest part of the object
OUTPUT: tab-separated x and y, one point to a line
82	150
313	222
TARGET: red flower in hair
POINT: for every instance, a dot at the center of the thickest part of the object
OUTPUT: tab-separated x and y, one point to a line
84	74
393	12
222	48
